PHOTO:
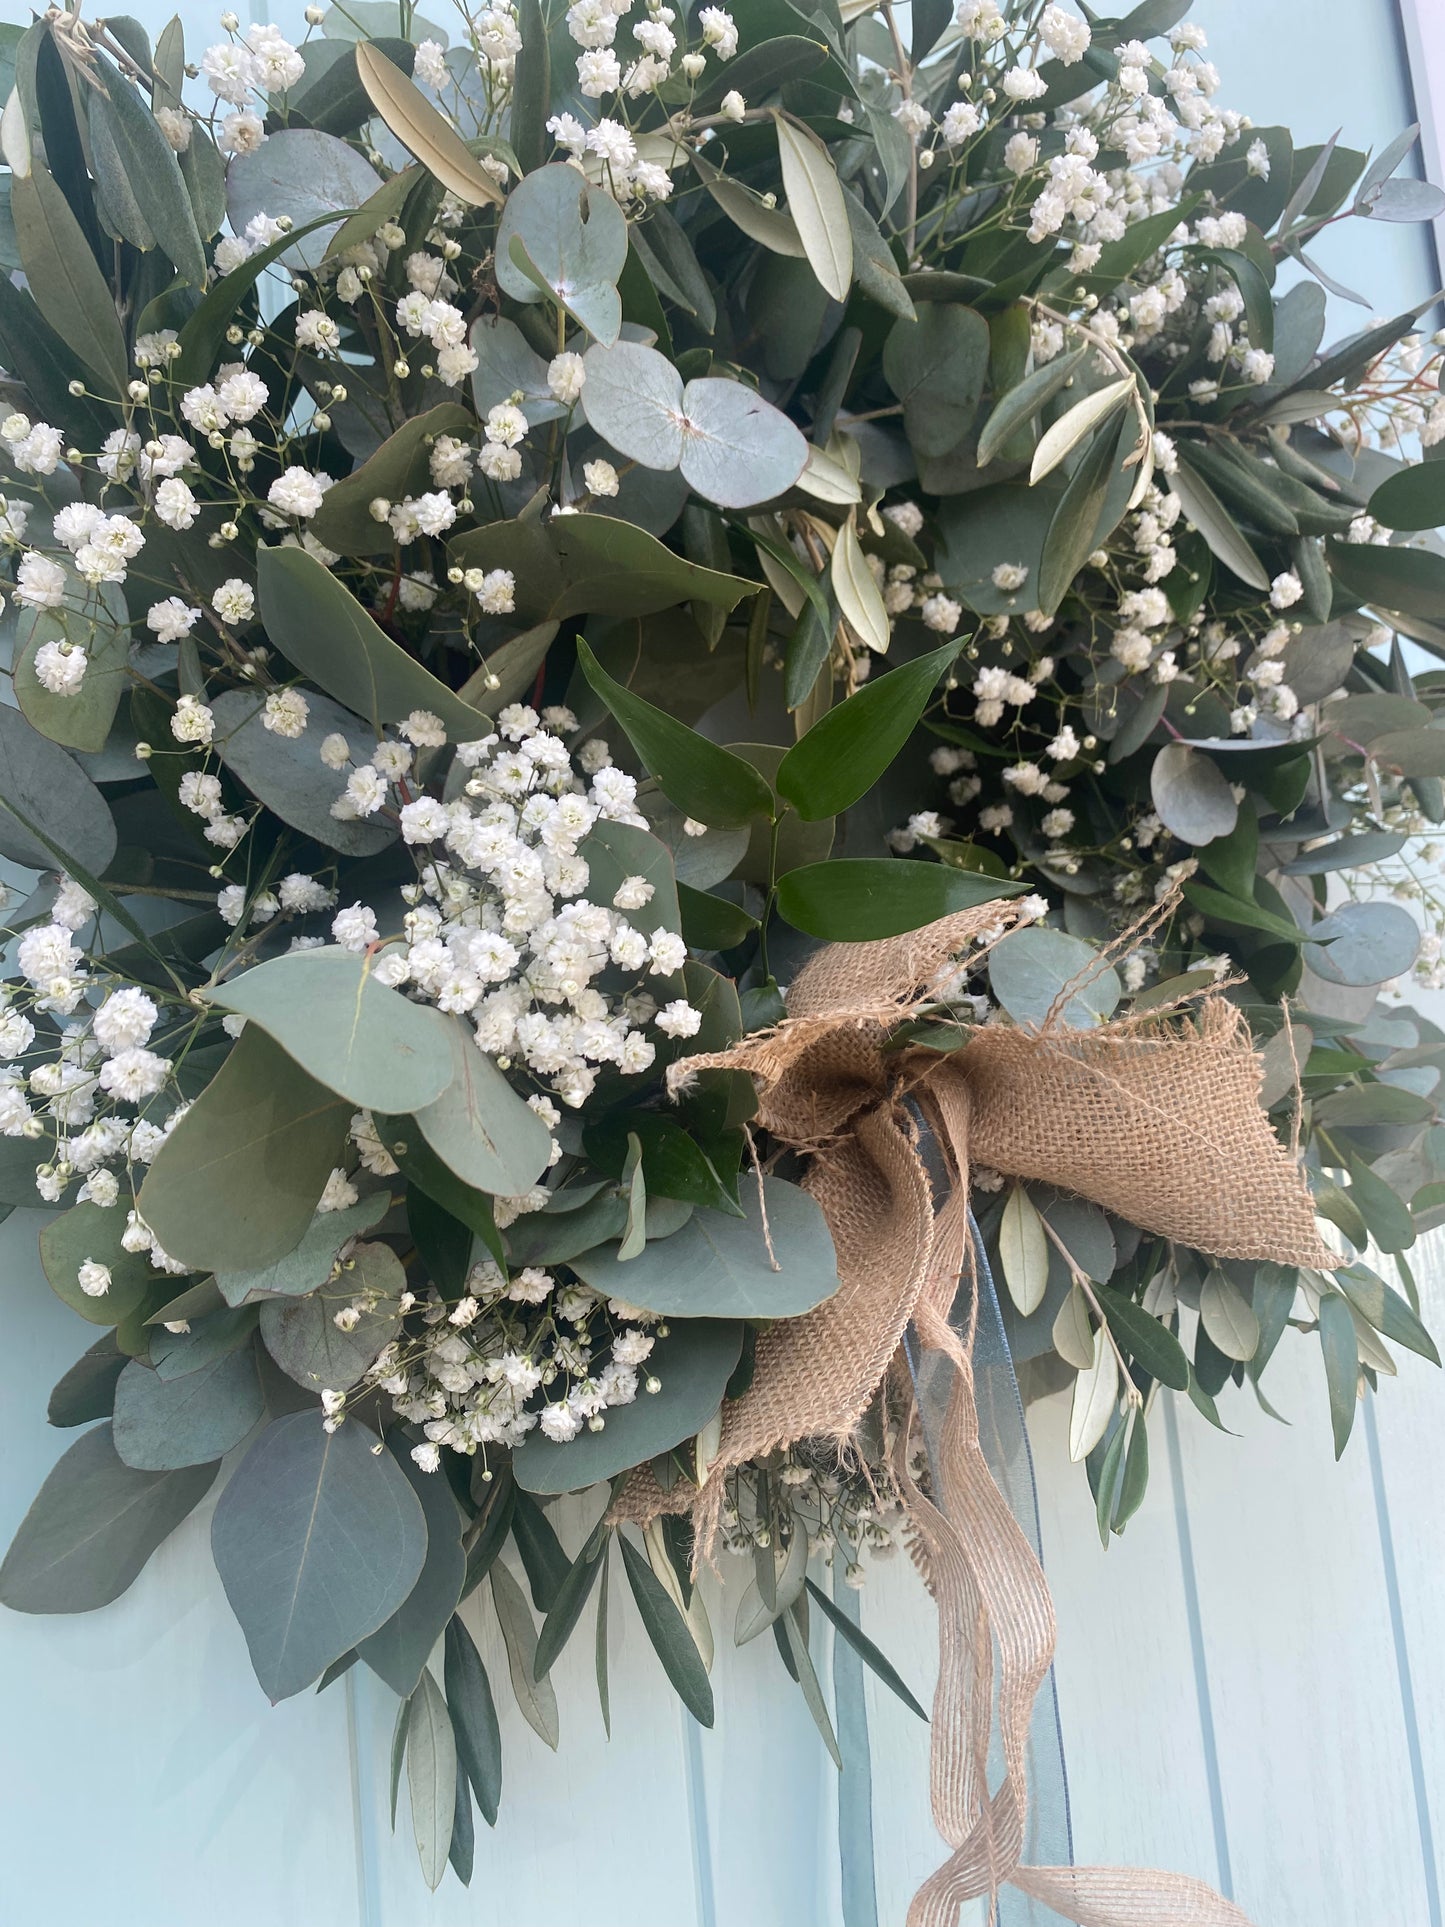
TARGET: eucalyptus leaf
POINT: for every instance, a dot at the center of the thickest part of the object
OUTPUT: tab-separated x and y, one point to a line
287	773
302	1334
397	1651
318	1540
1043	976
1191	794
92	1527
312	177
163	1424
559	236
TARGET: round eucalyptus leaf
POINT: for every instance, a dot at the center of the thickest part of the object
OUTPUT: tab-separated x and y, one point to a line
1192	796
737	448
318	1539
507	365
694	1363
717	1264
162	1424
91	1234
1030	970
570	242
287	773
303	1337
50	811
356	1036
478	1126
93	1525
633	396
310	1264
1363	943
304	173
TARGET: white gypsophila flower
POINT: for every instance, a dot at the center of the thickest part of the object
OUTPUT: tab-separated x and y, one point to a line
94	1279
297	491
172	619
565	377
234	601
600	478
192	721
60	667
335	751
285	713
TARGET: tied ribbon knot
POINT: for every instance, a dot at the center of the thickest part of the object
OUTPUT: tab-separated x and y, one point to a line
1157	1118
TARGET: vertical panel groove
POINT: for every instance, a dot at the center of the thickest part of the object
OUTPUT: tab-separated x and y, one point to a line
367	1910
697	1819
1402	1663
1196	1647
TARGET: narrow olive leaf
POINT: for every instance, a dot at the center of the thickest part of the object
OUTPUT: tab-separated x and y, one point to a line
462	1850
1111	1479
1071	428
92	1526
474	1717
770	227
816	203
423	131
1208	514
431	1778
65	284
1021	404
599	1659
1147	1341
1073	1331
859	597
398	1753
1386	1310
1024	1251
1340	1345
153	171
535	1698
846	751
1096	1393
1228	1317
572	1596
864	1647
707	782
1074	531
668	1631
806	1675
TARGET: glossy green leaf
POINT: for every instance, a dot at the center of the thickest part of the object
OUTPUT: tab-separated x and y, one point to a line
857	899
399	468
318	1539
718	1265
327	634
668	1631
847	750
694	1362
398	1650
474	1718
92	1526
162	1424
1043	976
358	1037
235	1185
1019	406
595	565
706	781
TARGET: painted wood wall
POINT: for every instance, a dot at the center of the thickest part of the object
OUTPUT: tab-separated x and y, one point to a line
1251	1683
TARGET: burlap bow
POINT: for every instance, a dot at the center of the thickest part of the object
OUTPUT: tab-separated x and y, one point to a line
1158	1119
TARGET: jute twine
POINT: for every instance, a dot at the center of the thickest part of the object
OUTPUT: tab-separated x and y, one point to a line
1157	1118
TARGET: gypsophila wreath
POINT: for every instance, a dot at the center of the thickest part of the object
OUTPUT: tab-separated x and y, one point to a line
517	528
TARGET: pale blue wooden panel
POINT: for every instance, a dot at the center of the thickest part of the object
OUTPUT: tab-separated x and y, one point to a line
143	1777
